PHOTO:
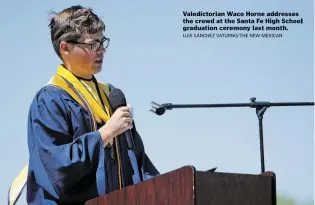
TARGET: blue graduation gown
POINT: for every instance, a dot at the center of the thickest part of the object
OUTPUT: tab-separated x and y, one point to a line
68	162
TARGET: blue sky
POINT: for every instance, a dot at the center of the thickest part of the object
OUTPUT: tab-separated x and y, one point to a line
150	61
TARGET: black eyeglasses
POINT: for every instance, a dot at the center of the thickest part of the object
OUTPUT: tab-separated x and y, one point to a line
95	46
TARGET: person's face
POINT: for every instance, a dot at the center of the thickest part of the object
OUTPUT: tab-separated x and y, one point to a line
85	57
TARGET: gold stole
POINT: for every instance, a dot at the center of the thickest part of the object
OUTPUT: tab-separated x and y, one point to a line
78	91
65	80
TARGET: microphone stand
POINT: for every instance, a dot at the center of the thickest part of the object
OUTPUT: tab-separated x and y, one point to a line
260	106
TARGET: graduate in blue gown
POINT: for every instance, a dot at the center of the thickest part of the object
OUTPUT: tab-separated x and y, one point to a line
74	138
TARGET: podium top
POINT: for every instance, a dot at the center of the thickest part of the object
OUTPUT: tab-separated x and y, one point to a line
187	186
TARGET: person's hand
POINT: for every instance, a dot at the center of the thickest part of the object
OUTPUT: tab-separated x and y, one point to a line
119	122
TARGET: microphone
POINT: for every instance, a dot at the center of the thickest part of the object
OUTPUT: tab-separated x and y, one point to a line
117	99
157	108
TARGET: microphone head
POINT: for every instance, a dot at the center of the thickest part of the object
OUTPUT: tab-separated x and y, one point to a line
157	108
117	98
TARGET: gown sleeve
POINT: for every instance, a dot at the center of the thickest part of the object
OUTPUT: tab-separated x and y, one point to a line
58	160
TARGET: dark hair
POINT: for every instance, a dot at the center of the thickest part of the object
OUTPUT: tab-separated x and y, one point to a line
72	23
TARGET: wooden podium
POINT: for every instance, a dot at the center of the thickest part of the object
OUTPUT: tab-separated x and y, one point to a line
186	186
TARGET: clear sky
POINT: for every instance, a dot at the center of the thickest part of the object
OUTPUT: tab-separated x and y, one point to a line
150	61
